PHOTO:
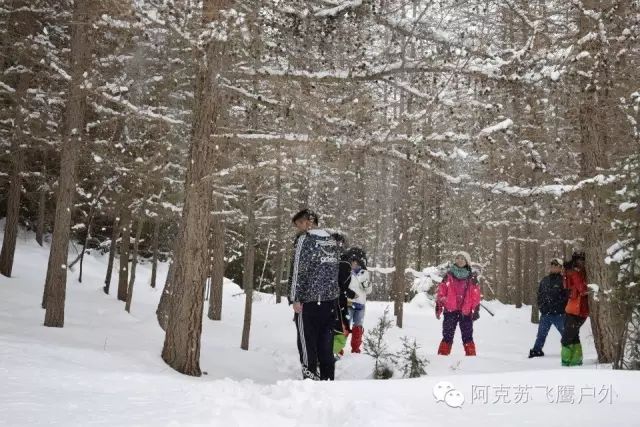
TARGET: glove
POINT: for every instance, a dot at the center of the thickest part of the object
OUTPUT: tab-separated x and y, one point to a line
438	311
476	313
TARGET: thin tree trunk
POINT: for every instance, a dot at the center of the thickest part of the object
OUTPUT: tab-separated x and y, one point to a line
42	206
278	262
517	271
279	243
421	232
115	232
155	247
181	349
125	240
526	272
217	266
84	247
134	264
533	283
55	286
249	260
503	287
495	264
92	213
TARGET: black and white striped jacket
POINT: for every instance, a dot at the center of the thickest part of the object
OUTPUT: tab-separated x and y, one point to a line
314	270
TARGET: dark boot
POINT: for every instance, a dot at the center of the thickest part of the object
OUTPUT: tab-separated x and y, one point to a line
444	349
535	353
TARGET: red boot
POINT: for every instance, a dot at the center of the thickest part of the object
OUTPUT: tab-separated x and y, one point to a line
356	338
444	349
470	349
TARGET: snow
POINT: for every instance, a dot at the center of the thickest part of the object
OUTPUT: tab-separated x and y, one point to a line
627	206
503	125
104	366
324	13
7	88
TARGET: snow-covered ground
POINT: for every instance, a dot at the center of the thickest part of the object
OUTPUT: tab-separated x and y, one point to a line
104	368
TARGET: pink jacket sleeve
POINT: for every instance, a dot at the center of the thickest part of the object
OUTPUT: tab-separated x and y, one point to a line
475	295
441	298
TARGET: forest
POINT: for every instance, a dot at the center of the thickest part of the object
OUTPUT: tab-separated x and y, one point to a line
190	132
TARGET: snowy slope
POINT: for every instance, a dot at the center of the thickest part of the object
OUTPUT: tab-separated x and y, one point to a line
103	367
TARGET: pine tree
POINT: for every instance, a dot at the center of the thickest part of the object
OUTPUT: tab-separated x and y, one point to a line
411	364
375	345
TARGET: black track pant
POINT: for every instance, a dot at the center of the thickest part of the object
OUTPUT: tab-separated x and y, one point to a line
571	333
315	339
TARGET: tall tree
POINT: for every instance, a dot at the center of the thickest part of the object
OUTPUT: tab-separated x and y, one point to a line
75	117
181	348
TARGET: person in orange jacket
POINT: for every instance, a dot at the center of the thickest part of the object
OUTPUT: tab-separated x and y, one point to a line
577	309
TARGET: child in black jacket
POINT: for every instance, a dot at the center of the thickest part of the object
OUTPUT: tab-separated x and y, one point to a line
552	300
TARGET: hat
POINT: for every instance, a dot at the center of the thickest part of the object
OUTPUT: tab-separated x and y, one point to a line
357	254
464	255
557	261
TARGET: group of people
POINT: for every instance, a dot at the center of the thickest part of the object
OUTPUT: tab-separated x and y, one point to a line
328	288
563	301
329	284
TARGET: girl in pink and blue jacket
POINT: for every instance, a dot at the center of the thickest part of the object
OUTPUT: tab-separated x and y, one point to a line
459	298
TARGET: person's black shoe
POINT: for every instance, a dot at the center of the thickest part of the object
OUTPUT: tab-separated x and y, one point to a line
535	353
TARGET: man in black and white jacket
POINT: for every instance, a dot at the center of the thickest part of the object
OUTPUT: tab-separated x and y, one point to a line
313	290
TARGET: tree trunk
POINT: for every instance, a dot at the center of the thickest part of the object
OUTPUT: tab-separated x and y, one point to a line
155	247
134	264
526	272
13	207
517	271
55	286
495	266
22	26
125	241
42	206
597	117
181	348
401	237
503	286
164	306
279	241
533	283
280	271
249	260
92	213
422	224
217	266
115	232
84	247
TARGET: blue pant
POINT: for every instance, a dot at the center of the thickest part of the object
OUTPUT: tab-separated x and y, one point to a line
356	314
451	320
546	321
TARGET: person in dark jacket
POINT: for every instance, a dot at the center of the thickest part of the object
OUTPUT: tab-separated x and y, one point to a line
313	294
552	299
342	327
